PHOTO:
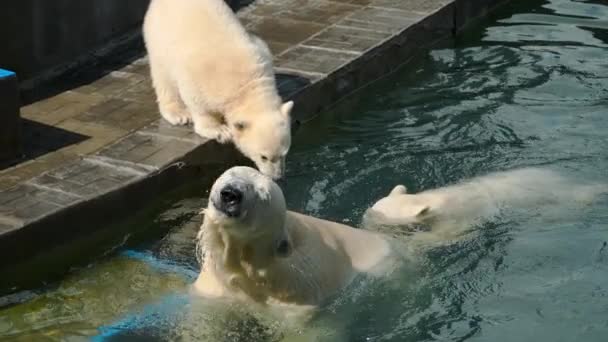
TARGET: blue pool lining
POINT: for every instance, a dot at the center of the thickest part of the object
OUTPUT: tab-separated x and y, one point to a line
148	317
150	313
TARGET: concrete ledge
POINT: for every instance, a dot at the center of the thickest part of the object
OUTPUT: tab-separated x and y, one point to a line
10	124
346	45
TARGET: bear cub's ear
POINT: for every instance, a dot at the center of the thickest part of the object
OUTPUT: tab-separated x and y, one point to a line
286	108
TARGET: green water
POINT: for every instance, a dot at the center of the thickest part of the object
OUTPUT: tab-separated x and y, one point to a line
528	88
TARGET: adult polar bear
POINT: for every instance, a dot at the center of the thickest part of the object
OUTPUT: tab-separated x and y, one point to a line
207	69
257	250
447	212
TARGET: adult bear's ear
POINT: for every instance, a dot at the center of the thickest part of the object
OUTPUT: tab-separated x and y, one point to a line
398	190
283	248
286	108
424	213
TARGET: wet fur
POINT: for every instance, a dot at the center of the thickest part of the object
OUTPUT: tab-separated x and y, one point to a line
241	259
446	212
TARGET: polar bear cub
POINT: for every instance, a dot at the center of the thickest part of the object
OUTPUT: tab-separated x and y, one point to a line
206	69
255	249
455	208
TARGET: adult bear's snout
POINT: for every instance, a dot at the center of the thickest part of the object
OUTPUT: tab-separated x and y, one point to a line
230	201
231	196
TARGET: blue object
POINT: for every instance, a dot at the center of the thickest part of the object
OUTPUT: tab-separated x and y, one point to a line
6	73
151	317
148	319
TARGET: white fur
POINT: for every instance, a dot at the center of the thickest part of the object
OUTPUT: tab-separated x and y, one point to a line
241	261
208	70
453	209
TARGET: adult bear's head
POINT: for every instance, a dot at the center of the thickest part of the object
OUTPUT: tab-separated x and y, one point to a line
246	204
244	226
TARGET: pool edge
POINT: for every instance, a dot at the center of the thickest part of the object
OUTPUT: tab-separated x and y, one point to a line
53	208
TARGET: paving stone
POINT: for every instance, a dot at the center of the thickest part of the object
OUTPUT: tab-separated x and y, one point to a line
310	11
419	6
120	113
47	105
35	194
60	114
27	202
60	107
113	84
284	31
139	66
31	168
6	222
142	93
14	194
5	228
105	107
381	20
84	171
355	2
86	178
277	48
347	39
152	150
162	128
98	134
124	166
313	60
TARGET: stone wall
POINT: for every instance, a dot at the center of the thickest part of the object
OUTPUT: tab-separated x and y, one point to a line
39	35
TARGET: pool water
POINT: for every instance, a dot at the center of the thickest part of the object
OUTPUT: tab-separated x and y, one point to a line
529	87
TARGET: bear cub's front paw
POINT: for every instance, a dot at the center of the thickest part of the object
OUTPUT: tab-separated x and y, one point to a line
220	134
175	116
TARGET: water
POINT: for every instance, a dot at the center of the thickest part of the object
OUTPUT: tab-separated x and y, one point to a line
529	88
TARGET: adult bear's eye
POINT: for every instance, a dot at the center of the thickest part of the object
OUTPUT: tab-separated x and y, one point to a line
264	158
283	248
240	125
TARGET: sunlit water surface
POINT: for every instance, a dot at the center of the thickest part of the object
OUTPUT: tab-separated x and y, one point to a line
528	89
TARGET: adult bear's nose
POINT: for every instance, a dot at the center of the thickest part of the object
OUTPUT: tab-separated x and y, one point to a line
231	198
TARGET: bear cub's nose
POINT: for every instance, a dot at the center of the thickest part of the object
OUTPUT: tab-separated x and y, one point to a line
231	199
